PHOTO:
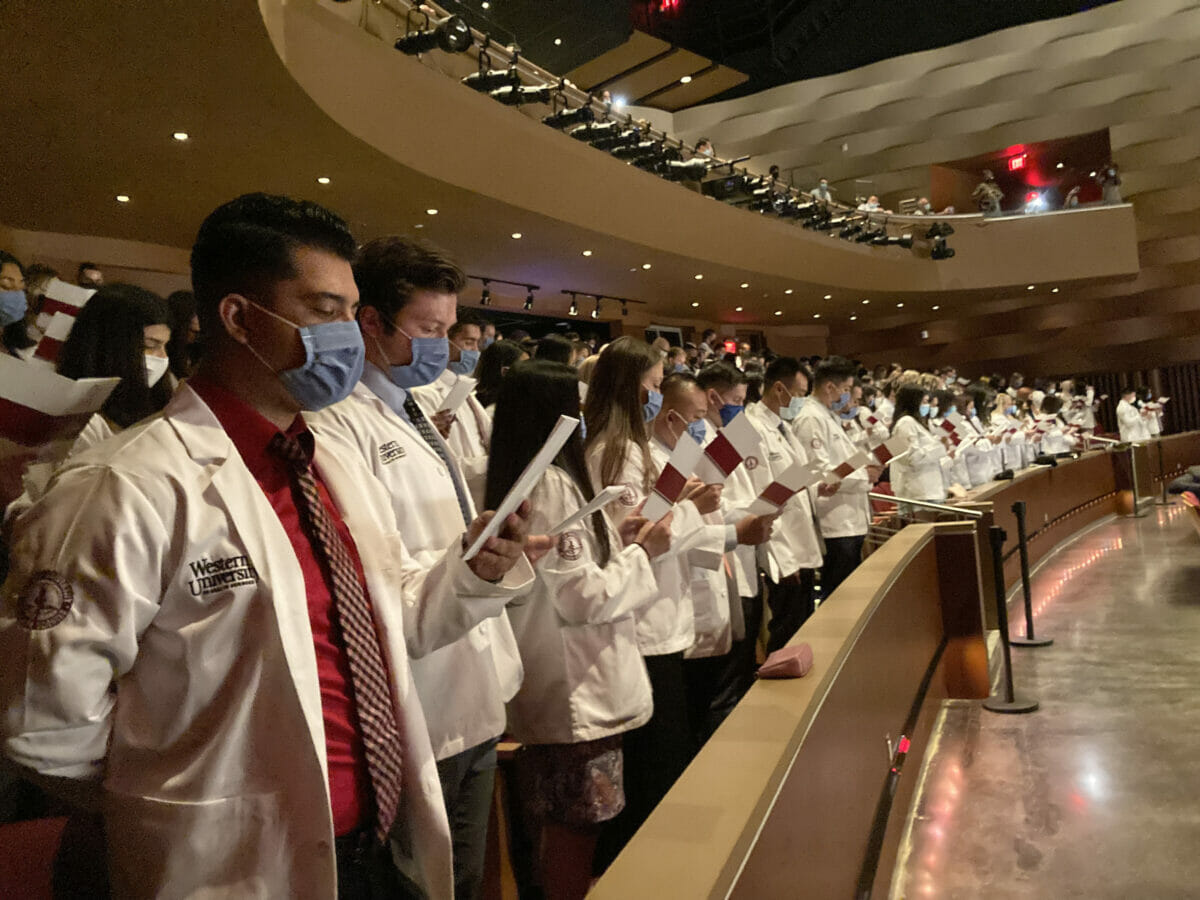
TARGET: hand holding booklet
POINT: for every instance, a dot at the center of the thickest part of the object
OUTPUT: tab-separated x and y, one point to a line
673	478
525	484
794	478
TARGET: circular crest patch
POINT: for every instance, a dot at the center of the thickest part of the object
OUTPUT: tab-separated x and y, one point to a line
816	442
628	496
751	463
45	601
569	545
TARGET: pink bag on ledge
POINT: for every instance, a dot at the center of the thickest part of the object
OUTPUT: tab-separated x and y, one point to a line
788	662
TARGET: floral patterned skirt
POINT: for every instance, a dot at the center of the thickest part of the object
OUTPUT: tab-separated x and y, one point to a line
572	784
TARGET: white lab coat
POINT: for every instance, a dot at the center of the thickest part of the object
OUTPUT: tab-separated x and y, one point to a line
794	543
37	475
884	410
872	422
708	579
954	462
918	473
463	686
1055	438
666	624
211	748
584	676
1130	423
736	498
470	432
819	431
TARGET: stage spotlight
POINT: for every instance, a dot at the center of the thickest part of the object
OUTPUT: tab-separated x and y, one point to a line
850	230
625	138
451	34
624	308
487	80
565	117
596	311
940	249
685	170
529	298
594	131
519	95
574	310
903	240
640	150
939	229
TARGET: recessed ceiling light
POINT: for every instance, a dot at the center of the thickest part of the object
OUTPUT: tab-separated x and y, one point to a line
634	269
485	4
645	265
1031	287
745	284
587	252
1054	290
816	315
122	198
686	79
180	135
558	42
829	296
431	212
854	318
1091	174
419	225
788	291
699	277
516	235
324	179
737	309
866	302
936	307
695	303
779	312
1059	166
899	306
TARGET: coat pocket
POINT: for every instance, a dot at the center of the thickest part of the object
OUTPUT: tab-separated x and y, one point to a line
610	691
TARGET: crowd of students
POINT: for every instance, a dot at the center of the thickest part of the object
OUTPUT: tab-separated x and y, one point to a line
242	622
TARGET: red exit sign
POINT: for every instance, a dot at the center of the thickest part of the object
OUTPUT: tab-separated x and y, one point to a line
1017	163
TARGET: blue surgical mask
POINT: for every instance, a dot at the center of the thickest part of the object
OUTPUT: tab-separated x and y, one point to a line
12	307
849	414
333	362
924	410
680	367
466	363
652	406
729	412
697	430
429	358
1011	411
789	412
485	342
840	403
951	410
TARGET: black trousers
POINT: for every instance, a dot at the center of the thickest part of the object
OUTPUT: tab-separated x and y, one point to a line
655	756
734	672
365	870
468	780
842	556
791	602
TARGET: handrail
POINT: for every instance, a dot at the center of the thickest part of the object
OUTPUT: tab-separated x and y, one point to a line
925	504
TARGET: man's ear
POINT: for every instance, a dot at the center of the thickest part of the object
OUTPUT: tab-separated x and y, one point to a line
370	321
231	310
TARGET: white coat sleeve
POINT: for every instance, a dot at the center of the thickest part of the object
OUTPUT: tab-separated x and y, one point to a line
87	577
584	592
918	450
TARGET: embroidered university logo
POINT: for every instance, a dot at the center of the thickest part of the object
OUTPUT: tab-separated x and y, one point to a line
628	496
390	452
751	463
211	576
570	547
45	601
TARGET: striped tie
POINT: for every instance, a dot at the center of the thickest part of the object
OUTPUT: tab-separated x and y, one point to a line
368	672
425	429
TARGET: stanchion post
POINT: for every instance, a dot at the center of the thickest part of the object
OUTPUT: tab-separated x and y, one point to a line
1162	474
1029	640
1135	513
1009	702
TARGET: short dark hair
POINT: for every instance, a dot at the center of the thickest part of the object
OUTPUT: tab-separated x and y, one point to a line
783	368
83	267
247	244
700	143
720	375
464	321
390	269
834	368
555	348
708	331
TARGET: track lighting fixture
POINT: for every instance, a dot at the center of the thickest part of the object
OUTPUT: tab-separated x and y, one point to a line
451	34
519	95
574	310
940	249
596	311
529	296
566	117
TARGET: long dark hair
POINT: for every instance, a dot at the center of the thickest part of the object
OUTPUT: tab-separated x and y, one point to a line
532	396
908	403
182	354
613	408
108	341
494	361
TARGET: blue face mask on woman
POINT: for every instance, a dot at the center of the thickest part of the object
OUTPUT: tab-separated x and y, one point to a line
429	358
466	362
1010	411
12	307
950	410
333	362
924	410
653	405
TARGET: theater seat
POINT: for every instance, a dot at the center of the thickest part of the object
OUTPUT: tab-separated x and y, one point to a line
882	507
27	851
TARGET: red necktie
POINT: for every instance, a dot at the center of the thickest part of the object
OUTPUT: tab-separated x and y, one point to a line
368	672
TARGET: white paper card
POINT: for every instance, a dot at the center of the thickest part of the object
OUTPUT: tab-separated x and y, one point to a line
683	460
457	394
524	485
602	499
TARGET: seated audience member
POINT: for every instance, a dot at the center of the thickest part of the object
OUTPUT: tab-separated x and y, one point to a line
821	193
585	683
494	363
918	472
13	306
121	332
194	650
88	275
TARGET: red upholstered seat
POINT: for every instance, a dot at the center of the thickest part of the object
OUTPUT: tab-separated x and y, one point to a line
27	851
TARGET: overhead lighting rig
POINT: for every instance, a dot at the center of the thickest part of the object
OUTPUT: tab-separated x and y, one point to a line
488	79
451	34
595	313
485	299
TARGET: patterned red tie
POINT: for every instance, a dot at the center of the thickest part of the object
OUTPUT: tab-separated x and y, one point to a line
368	672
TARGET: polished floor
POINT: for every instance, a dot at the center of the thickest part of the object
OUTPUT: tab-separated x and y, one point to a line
1097	794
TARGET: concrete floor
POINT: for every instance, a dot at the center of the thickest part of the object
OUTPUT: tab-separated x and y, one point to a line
1097	794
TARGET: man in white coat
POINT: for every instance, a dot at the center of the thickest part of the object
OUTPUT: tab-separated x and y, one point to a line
207	626
843	508
793	553
1130	423
410	287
